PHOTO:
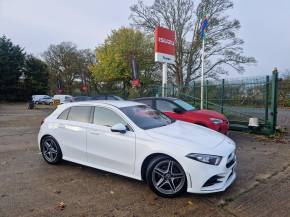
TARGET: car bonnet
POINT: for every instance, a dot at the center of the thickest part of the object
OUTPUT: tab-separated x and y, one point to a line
183	133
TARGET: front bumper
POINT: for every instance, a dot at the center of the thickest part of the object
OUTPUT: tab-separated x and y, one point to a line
210	178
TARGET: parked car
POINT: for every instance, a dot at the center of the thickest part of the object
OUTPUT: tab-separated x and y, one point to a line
63	98
81	98
134	140
47	100
180	110
106	97
37	99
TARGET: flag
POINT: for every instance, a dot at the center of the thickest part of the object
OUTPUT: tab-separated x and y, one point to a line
203	27
135	80
134	68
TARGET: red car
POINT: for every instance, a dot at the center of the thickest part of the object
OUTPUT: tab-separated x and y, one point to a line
180	110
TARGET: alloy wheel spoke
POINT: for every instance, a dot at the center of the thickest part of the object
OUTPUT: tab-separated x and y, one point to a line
159	171
50	155
46	144
171	184
53	151
169	168
161	182
177	175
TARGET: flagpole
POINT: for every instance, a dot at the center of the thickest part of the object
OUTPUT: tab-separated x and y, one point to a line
202	74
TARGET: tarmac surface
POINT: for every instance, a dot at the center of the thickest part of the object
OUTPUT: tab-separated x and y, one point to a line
30	187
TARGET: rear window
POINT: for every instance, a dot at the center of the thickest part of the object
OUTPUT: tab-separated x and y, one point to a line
64	114
80	114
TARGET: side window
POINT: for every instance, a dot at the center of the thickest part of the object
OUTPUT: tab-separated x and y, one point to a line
100	97
64	114
147	102
80	114
106	117
165	106
111	98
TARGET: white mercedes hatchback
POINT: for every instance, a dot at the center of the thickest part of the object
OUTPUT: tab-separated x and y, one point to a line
133	140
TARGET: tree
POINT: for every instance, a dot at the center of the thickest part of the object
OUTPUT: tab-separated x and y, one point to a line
11	63
223	47
88	58
36	76
113	58
65	63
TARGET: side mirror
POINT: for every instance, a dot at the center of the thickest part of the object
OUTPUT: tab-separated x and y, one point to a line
178	110
121	128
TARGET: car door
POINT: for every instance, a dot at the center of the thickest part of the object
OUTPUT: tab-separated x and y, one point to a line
71	132
109	150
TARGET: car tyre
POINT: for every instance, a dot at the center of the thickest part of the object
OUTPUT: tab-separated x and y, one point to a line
50	150
166	177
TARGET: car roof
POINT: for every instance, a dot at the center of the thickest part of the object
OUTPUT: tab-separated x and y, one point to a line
161	98
115	103
58	95
105	94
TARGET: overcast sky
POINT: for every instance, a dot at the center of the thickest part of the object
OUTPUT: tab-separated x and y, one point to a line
35	24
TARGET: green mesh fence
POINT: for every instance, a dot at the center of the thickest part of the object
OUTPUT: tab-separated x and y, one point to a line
238	99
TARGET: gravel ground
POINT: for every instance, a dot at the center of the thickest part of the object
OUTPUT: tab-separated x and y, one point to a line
30	187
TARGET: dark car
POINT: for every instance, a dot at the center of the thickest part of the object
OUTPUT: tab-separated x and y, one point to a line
106	97
81	98
180	110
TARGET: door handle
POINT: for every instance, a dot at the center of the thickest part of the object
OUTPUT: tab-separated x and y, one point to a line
95	133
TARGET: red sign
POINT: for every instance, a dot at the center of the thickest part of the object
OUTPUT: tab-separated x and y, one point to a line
84	88
164	45
135	83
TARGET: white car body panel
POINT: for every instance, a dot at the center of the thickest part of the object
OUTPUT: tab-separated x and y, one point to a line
98	147
100	143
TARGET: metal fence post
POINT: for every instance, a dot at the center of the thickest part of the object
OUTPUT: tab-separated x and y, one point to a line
274	99
193	92
206	94
222	96
267	99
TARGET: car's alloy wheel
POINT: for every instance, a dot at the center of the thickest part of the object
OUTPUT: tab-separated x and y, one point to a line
166	177
50	150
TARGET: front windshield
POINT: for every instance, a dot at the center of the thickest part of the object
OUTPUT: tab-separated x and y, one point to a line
184	105
145	117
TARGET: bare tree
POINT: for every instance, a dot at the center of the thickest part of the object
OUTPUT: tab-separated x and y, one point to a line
66	63
223	47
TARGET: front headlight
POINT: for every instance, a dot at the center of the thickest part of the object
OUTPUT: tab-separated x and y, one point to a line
205	158
216	120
